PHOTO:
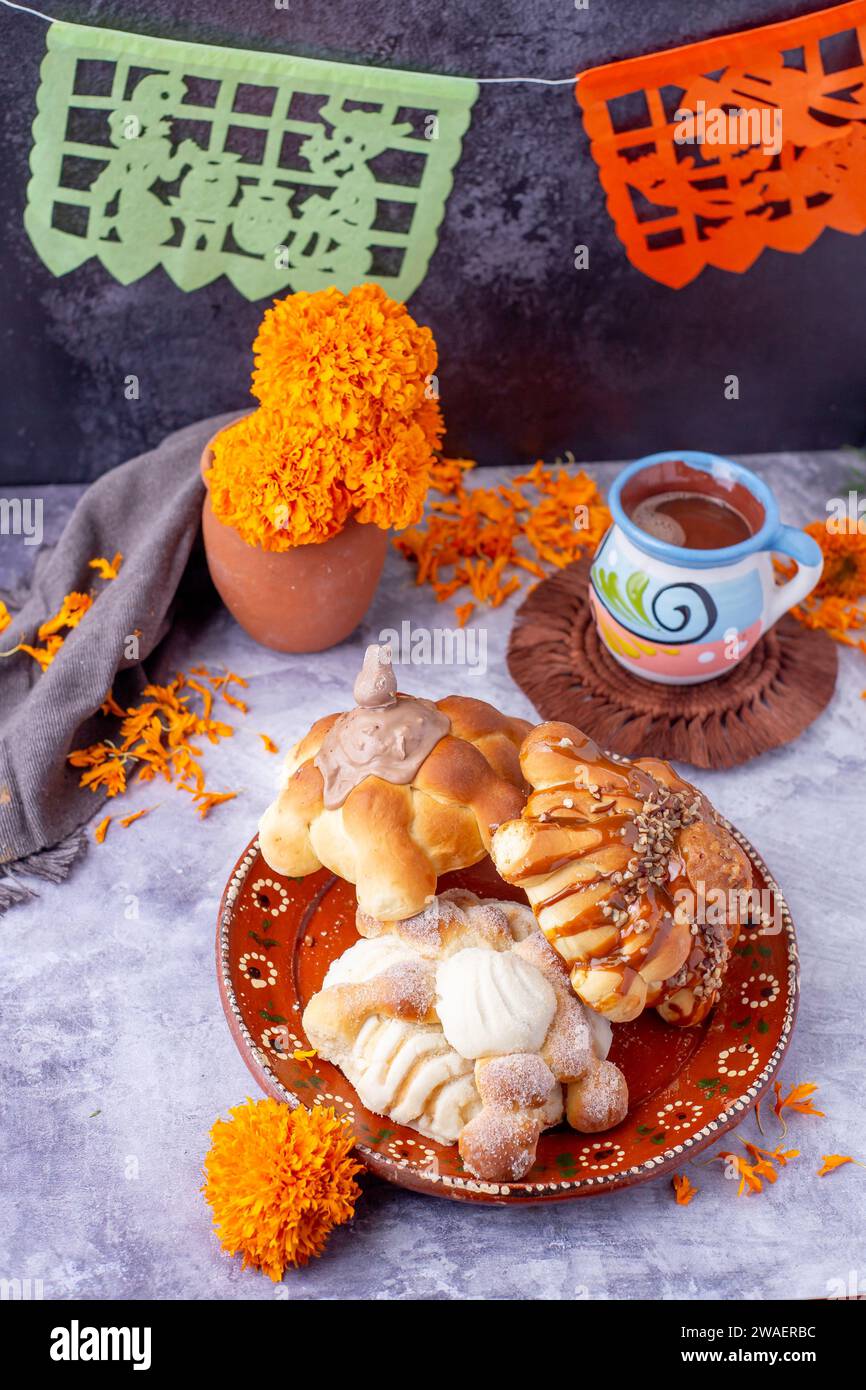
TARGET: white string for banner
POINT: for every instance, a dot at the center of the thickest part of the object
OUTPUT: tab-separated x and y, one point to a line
487	81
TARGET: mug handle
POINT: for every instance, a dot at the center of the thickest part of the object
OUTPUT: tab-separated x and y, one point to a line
789	540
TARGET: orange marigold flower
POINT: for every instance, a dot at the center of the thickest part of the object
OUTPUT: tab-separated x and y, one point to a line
5	616
388	479
683	1189
277	485
72	610
342	361
278	1181
347	426
844	553
108	569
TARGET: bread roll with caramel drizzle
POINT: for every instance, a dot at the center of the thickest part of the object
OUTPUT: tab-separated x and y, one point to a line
617	858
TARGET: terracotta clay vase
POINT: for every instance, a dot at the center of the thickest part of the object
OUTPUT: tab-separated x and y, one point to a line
300	600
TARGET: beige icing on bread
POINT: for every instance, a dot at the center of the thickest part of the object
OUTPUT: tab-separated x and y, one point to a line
387	735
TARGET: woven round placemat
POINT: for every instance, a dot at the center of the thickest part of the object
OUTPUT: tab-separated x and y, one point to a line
557	658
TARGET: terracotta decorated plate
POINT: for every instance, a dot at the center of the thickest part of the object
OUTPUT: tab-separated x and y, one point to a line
276	938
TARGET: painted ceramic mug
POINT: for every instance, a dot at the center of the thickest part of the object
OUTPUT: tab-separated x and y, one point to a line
682	615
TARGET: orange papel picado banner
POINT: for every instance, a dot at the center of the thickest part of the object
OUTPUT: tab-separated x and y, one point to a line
713	152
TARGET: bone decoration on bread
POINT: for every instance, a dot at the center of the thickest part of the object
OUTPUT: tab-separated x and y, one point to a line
620	860
461	1024
396	792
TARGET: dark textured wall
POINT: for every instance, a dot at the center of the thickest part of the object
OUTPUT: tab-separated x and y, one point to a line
536	357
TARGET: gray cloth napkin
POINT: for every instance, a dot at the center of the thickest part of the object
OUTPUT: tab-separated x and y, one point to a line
150	510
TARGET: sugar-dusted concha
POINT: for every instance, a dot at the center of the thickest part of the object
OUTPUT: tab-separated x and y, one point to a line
461	1024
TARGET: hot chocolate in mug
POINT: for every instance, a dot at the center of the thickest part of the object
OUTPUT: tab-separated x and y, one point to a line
683	584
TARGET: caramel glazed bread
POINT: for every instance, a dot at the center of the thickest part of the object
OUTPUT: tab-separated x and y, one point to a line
617	859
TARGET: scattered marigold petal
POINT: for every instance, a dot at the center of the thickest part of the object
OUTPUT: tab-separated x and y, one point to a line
5	616
130	820
155	740
206	696
683	1189
830	1162
101	830
750	1179
477	535
110	706
205	801
43	655
797	1099
463	612
108	776
270	746
72	610
301	1056
108	569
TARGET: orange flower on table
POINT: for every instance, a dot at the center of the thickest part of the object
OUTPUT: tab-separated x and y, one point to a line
278	1181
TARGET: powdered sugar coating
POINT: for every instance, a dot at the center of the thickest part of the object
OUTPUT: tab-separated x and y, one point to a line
476	978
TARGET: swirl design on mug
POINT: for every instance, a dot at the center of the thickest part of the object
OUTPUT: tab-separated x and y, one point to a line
688	615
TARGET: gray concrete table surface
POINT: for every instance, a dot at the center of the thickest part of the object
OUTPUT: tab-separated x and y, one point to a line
117	1058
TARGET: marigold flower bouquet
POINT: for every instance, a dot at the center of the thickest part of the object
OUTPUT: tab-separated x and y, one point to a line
302	492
